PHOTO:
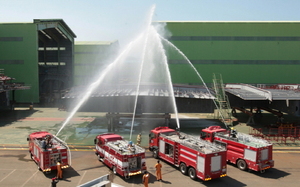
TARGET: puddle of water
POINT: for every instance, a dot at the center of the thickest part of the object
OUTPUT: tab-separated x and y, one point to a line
84	133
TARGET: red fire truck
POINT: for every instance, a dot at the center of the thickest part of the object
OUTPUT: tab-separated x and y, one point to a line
122	156
46	150
196	157
244	150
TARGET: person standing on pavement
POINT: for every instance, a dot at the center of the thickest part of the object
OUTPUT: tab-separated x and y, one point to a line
59	170
158	167
146	178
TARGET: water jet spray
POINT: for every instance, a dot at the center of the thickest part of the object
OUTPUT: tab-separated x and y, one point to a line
180	52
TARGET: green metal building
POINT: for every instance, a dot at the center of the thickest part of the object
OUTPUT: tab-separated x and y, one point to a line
39	55
90	58
44	55
242	52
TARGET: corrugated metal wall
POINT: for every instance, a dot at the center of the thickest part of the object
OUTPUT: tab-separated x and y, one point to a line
19	57
243	52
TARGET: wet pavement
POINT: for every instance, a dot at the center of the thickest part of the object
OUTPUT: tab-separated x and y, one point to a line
80	132
84	126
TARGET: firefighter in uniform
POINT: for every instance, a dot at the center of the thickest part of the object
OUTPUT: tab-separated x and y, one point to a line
139	139
233	132
59	170
146	178
48	141
158	167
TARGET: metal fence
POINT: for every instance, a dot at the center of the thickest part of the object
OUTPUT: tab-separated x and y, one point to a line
281	134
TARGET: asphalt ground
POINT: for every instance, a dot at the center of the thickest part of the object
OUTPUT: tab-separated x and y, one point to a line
18	170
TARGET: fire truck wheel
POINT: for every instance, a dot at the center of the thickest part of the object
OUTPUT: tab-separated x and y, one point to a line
183	168
155	153
192	173
241	164
114	169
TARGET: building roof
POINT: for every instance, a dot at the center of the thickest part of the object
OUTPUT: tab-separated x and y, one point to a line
274	92
61	21
180	91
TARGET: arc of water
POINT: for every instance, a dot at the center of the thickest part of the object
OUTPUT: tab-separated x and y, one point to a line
165	60
96	83
141	68
139	83
180	52
69	151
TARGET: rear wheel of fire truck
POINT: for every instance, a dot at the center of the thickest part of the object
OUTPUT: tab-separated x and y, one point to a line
241	164
155	153
192	173
182	168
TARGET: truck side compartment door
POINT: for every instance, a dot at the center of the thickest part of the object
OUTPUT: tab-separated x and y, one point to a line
161	146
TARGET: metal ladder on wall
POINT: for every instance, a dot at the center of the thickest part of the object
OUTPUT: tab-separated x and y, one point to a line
223	105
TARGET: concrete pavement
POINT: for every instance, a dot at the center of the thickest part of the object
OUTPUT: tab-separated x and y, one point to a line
18	170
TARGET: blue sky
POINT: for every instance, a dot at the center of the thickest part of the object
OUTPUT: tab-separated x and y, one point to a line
107	20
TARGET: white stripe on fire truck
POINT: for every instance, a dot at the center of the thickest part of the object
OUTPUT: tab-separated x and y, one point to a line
114	160
122	164
188	152
100	149
182	155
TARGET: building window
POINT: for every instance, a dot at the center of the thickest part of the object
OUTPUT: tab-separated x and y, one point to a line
52	48
52	63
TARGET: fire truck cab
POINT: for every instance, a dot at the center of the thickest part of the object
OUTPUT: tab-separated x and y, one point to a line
122	156
46	150
244	150
196	157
